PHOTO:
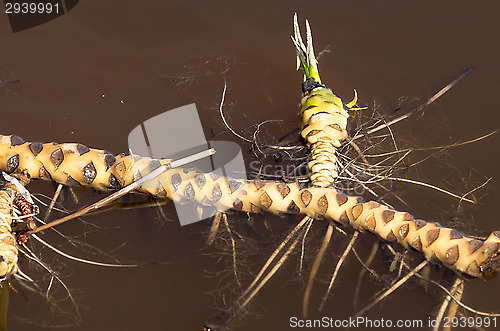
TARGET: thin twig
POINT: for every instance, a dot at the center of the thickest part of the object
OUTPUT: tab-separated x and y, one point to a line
53	201
127	189
392	288
315	268
445	89
337	268
221	112
100	264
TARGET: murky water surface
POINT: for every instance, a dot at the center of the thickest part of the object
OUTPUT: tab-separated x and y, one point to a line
98	71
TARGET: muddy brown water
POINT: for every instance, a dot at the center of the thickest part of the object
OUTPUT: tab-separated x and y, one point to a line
95	73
